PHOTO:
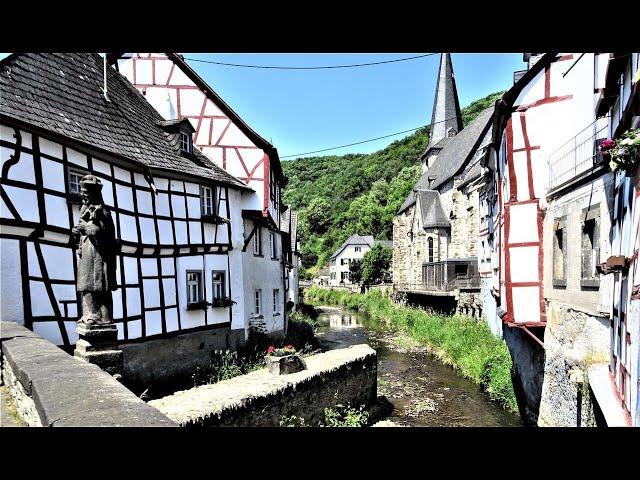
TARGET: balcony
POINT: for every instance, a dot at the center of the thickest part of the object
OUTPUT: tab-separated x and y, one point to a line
578	155
445	277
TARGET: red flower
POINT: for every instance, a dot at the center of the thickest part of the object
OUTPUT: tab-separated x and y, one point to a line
289	347
271	349
607	145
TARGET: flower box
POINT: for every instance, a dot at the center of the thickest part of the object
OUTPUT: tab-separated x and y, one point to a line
197	305
284	365
222	302
215	219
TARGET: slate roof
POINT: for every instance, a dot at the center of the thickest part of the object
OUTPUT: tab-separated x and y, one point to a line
294	230
431	209
446	108
354	239
452	157
62	93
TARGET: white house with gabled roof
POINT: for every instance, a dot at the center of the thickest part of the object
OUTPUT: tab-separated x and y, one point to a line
353	248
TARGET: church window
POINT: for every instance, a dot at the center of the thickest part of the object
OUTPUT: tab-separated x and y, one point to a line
430	248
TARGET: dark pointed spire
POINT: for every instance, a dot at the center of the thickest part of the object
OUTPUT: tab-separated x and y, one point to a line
446	108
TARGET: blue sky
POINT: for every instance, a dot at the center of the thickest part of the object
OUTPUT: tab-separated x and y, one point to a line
301	111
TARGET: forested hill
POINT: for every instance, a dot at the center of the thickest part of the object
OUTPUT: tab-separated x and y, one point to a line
339	195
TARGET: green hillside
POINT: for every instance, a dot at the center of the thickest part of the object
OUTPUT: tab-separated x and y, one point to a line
339	195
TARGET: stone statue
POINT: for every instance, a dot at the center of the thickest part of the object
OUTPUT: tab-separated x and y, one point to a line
95	236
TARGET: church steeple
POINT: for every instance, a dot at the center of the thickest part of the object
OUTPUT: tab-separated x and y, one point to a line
446	120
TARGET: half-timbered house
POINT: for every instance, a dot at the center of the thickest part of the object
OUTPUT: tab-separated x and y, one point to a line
545	221
180	219
177	92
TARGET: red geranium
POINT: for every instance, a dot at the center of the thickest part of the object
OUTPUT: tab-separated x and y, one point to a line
607	145
289	347
271	349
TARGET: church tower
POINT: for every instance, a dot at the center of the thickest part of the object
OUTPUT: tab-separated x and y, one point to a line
446	120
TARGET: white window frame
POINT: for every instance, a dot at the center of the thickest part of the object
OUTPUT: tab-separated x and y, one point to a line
74	173
344	276
185	142
198	284
206	193
257	302
276	301
219	287
257	242
357	249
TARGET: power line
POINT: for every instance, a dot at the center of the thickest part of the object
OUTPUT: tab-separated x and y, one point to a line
320	67
369	140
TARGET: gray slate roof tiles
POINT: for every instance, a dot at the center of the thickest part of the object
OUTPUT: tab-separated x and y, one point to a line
452	157
62	93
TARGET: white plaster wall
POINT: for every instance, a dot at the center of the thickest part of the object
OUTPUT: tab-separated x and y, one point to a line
348	253
11	306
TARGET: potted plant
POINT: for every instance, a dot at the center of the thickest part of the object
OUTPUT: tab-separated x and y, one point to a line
622	153
222	302
282	361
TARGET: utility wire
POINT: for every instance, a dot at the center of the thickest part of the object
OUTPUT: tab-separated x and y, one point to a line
369	140
321	67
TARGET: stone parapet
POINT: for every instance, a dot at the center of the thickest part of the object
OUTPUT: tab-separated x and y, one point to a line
344	376
51	388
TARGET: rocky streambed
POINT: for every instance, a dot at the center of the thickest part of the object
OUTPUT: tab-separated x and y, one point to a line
423	391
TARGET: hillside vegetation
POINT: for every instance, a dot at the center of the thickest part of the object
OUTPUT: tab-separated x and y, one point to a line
339	195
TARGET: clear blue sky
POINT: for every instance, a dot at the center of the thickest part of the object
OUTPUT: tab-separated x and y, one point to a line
301	111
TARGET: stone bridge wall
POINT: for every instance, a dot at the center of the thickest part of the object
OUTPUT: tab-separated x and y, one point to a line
51	388
344	376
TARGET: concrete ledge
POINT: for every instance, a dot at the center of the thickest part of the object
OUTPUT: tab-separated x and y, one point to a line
63	390
341	376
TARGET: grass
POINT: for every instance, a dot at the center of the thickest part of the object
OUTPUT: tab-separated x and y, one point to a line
340	416
462	342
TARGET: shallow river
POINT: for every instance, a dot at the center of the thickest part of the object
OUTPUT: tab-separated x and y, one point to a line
423	391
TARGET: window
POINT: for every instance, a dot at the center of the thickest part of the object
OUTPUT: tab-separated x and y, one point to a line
185	142
345	261
273	244
560	252
258	302
345	276
451	132
218	284
206	200
194	286
257	241
74	181
430	248
333	275
276	300
357	249
590	247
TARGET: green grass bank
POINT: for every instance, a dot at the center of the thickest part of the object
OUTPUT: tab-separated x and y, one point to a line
466	344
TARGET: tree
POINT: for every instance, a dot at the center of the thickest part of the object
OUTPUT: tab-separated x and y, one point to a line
376	265
355	270
318	216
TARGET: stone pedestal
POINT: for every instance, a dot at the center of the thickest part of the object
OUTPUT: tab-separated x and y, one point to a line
98	344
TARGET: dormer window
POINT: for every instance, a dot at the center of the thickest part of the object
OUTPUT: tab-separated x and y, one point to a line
451	132
185	142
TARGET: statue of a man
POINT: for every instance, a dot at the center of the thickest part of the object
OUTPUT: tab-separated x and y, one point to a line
95	236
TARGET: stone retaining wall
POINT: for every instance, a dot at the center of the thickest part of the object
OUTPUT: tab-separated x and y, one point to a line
51	388
344	376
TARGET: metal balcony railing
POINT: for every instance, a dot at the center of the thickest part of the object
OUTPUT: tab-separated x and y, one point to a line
451	274
579	154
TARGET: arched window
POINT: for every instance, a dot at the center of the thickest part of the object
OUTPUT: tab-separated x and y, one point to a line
430	249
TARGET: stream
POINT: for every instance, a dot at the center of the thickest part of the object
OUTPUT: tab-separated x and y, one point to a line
423	391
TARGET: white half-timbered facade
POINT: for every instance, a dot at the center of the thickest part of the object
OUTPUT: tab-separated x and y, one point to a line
177	92
178	217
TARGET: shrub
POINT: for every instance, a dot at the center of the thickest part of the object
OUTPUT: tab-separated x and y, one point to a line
345	416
